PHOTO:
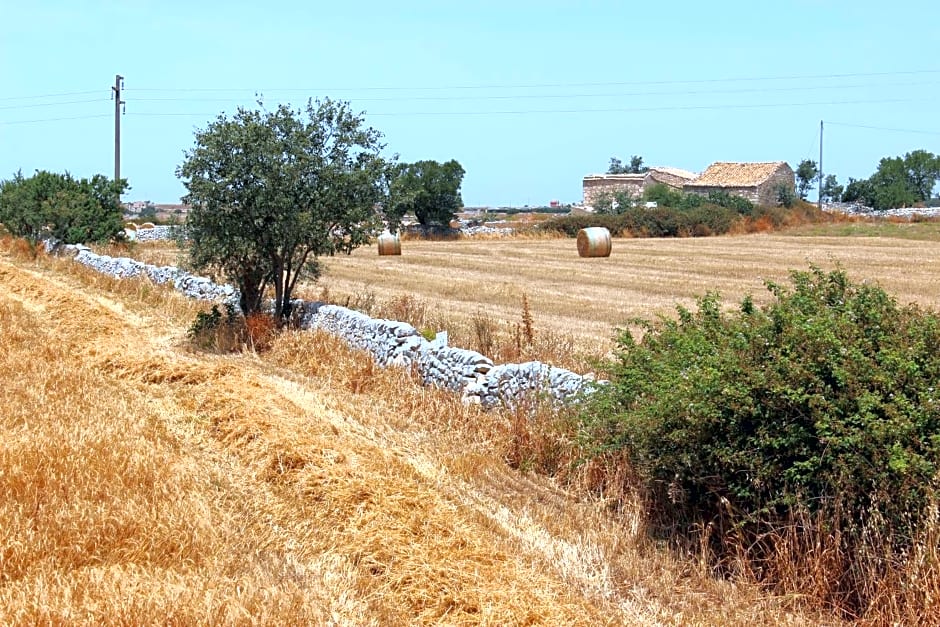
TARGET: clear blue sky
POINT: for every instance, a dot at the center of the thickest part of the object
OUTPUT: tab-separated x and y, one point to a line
528	96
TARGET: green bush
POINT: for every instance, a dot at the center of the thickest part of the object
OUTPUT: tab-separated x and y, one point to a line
62	207
823	402
218	331
653	222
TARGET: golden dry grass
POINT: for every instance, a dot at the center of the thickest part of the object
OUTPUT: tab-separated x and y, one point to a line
145	483
584	299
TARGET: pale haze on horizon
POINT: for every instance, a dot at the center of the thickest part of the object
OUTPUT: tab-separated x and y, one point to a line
527	96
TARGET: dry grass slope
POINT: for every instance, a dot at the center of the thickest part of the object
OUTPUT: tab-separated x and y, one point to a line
145	483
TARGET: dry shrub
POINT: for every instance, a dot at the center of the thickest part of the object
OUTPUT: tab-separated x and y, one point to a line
260	329
406	308
22	248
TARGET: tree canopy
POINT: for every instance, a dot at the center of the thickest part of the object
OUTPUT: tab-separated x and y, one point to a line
635	167
272	191
898	181
428	188
62	207
806	173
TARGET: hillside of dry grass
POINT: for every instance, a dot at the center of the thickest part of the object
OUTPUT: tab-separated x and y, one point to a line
147	483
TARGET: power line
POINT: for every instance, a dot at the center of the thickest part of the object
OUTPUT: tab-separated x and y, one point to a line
883	128
581	95
59	95
540	85
51	104
653	109
79	117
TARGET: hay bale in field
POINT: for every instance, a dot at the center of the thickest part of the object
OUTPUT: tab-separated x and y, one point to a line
146	225
130	226
594	241
389	244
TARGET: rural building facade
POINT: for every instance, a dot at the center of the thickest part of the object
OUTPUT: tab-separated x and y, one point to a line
595	186
758	182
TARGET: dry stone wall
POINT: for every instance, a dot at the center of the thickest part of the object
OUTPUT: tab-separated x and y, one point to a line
391	343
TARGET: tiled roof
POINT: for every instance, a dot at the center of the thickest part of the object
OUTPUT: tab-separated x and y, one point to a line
682	174
724	174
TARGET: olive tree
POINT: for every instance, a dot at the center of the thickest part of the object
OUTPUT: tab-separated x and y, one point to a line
273	191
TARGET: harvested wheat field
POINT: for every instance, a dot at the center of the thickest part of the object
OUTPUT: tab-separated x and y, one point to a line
578	301
144	482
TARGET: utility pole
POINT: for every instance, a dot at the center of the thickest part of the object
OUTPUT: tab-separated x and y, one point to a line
118	104
819	198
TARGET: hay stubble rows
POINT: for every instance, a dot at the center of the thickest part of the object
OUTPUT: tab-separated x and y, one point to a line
643	278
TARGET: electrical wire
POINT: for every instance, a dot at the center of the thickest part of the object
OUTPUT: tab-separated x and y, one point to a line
542	85
883	128
80	117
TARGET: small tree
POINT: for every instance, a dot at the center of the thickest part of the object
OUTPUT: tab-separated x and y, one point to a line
62	207
831	190
806	173
428	188
272	191
636	166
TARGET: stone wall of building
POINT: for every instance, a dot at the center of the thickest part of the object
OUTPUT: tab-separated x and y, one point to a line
597	186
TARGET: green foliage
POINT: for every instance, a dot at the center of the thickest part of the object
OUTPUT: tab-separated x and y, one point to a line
62	207
636	166
654	222
725	199
898	182
429	189
663	195
272	191
149	212
215	330
858	190
823	401
806	173
785	195
831	190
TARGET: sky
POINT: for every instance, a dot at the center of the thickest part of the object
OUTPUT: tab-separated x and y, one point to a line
528	96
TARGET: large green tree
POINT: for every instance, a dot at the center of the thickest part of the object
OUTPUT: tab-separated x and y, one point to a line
61	207
898	181
272	191
429	189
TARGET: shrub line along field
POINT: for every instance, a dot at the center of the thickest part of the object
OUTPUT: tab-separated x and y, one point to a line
585	299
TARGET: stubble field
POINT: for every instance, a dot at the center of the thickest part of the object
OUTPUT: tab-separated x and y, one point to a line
584	300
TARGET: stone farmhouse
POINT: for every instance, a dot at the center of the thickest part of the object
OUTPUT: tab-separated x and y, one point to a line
758	182
596	185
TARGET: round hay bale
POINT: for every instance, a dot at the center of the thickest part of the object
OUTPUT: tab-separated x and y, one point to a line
146	225
389	244
130	226
594	241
